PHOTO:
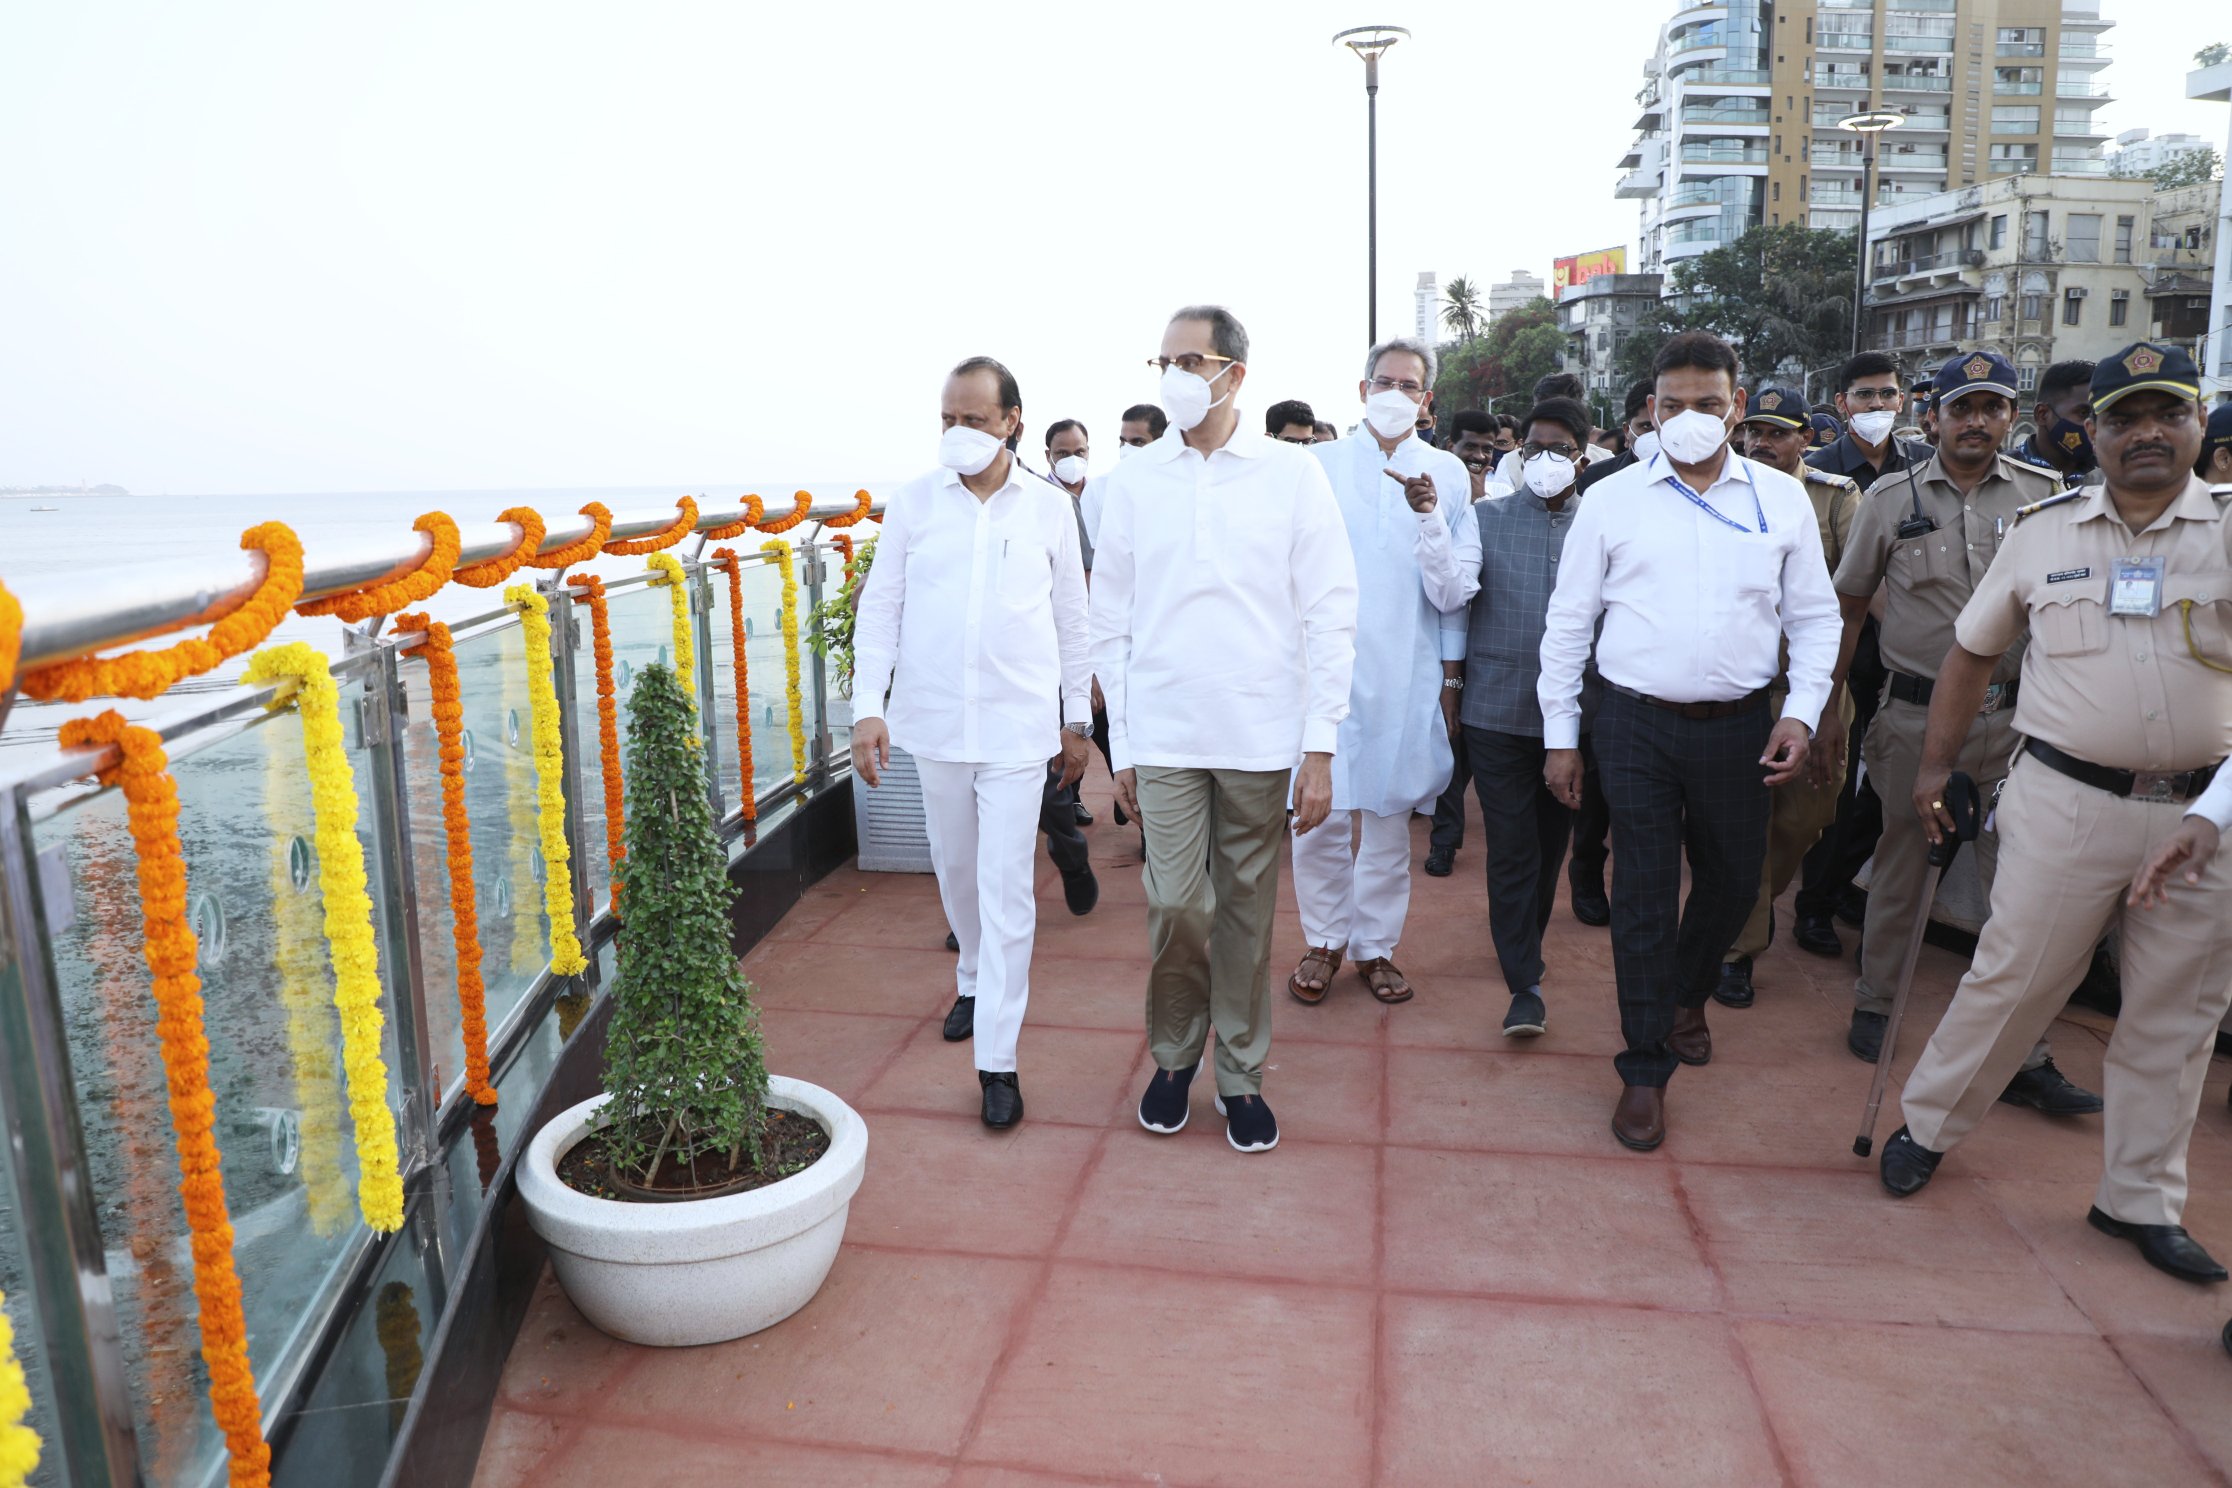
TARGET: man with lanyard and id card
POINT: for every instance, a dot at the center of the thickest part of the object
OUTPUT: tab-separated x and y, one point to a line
1700	563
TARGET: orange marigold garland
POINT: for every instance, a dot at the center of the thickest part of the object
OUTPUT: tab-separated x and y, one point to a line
457	831
800	504
11	636
413	587
754	509
151	806
684	523
843	543
608	727
147	674
496	570
743	676
861	502
584	549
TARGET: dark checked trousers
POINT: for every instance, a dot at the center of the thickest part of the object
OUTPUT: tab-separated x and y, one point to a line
1677	787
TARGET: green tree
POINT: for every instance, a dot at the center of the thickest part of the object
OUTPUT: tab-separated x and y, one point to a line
2212	54
1777	294
2195	168
1523	346
1461	308
682	1059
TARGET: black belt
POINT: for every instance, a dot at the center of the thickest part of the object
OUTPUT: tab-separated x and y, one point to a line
2145	785
1917	690
1728	709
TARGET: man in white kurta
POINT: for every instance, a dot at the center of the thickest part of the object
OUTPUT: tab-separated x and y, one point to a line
973	621
1407	507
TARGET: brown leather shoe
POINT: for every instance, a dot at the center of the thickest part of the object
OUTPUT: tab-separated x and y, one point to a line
1691	1041
1639	1120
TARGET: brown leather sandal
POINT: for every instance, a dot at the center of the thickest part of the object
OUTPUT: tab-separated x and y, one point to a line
1386	982
1318	963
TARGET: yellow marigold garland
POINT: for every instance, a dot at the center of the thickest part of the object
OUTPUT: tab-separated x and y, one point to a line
550	791
457	835
420	582
11	637
19	1444
791	699
684	523
302	992
678	593
348	922
743	676
496	570
608	728
151	808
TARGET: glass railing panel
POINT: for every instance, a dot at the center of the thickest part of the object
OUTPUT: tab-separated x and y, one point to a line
30	1341
275	1066
764	678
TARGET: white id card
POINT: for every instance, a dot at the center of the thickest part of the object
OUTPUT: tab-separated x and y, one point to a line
2136	588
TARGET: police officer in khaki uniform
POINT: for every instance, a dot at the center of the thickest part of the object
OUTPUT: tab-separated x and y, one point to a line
1776	431
2126	714
1926	536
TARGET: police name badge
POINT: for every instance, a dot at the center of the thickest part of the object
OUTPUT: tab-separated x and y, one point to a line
2136	588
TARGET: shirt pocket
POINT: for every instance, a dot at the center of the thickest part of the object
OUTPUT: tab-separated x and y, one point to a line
1026	571
1756	568
2070	622
2201	607
1934	560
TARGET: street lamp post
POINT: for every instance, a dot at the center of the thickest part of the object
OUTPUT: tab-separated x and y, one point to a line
1867	126
1368	42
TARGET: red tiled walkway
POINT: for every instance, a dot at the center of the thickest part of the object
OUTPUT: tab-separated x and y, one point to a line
1448	1272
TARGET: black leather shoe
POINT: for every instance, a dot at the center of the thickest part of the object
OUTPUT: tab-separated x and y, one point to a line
1084	817
1907	1164
953	942
1441	862
1735	989
1817	935
1081	891
1866	1038
2047	1089
1590	906
960	1019
1003	1099
2164	1247
1853	908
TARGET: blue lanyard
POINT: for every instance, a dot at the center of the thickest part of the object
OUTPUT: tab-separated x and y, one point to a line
1715	512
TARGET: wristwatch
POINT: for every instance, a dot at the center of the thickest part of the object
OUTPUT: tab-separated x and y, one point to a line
1453	684
1083	730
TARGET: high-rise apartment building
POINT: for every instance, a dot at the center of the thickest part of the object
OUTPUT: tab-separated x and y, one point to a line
2138	152
1741	100
1427	298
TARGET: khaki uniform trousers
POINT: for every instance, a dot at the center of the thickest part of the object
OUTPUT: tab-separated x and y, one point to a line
2071	854
1212	880
1798	812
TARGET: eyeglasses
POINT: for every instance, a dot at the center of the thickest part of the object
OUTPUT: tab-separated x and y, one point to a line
1192	361
1305	439
1395	385
1872	397
1530	449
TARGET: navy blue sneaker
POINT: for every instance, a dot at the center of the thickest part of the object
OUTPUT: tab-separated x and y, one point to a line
1163	1109
1249	1124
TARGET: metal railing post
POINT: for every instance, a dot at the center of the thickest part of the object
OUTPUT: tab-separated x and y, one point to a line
701	607
75	1306
818	768
565	640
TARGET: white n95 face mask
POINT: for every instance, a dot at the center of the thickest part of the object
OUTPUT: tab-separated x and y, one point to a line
1646	446
1185	395
1070	469
1548	474
1125	452
967	451
1692	437
1872	424
1391	414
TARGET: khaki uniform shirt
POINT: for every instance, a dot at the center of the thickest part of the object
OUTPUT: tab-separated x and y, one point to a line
1927	579
2119	690
1836	502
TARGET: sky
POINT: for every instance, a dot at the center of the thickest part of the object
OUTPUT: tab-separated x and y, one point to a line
283	247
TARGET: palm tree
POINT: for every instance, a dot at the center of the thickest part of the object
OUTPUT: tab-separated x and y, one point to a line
1461	308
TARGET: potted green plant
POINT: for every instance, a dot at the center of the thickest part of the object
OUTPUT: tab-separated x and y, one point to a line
699	1198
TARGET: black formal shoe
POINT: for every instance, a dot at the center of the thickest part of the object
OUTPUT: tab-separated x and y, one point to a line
1866	1038
1163	1109
1084	817
1441	862
1907	1164
2047	1089
1081	891
1853	908
953	942
1003	1100
1735	989
1817	935
1527	1017
2164	1247
1590	906
960	1019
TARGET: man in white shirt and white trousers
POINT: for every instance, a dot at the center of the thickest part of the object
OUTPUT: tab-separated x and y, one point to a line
1224	630
1700	563
1407	508
973	621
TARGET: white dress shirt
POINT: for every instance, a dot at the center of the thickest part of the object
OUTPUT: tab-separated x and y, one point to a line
1089	507
973	619
1224	606
1694	607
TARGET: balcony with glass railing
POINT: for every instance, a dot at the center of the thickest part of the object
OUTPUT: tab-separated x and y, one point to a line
1916	82
1722	155
2078	88
1703	114
1738	77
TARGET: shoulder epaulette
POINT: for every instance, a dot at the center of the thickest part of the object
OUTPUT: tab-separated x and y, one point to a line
2061	499
1831	478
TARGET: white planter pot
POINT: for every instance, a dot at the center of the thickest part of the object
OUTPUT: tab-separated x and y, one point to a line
700	1270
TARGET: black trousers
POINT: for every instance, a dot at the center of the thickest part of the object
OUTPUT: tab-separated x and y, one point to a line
1449	810
1678	787
1526	828
1827	871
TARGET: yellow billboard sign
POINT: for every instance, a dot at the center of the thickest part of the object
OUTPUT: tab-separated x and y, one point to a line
1580	268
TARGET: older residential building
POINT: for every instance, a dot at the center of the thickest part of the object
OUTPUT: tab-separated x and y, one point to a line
2040	269
2138	152
1598	315
1741	100
1520	289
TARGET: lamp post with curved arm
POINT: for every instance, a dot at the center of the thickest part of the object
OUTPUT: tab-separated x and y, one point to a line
1369	42
1867	126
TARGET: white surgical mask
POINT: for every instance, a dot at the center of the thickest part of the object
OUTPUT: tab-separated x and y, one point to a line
967	451
1646	446
1873	424
1391	414
1548	474
1125	452
1070	469
1185	395
1692	438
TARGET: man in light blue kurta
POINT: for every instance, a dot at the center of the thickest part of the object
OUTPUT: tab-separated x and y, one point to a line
1417	550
